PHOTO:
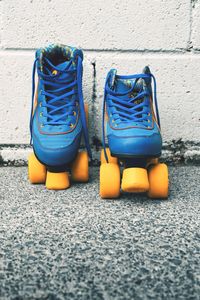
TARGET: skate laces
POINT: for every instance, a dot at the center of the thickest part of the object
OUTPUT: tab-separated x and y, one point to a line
125	108
59	92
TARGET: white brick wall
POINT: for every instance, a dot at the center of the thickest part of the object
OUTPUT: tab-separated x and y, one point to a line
124	34
97	24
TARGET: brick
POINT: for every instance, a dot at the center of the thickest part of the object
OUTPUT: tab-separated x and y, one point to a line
113	24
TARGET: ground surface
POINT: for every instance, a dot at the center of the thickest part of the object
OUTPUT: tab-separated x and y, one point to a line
72	245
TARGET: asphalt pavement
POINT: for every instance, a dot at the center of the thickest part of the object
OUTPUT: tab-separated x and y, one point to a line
73	245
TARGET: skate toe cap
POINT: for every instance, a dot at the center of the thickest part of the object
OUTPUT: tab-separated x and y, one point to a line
55	152
143	145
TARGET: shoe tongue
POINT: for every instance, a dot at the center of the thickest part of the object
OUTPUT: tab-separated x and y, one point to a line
121	86
62	66
61	75
124	85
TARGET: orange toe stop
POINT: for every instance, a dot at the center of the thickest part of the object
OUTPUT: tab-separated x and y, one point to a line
57	181
135	180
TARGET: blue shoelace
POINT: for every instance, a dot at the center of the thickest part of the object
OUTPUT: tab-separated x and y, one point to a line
126	110
56	93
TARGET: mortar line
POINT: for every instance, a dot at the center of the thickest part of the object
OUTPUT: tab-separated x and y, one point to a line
177	51
190	46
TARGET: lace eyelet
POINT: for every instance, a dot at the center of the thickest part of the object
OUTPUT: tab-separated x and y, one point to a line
41	125
149	121
148	114
40	92
55	72
74	113
41	114
113	121
71	125
40	104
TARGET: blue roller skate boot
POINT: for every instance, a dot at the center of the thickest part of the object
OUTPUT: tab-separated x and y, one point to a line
58	119
134	138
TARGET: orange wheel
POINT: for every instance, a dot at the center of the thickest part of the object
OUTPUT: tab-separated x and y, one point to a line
86	112
111	159
57	181
135	180
109	180
36	170
80	170
158	181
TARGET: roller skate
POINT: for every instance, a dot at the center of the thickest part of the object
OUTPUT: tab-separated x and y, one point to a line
133	136
58	119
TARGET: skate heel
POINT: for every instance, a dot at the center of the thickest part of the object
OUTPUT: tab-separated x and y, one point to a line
57	181
135	180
